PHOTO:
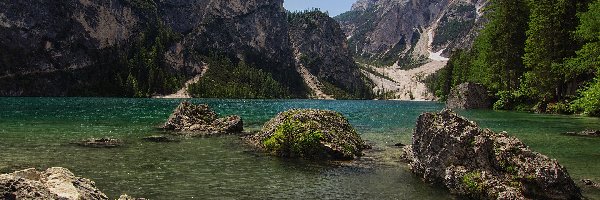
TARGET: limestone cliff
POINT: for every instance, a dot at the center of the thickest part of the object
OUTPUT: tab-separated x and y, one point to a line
389	31
135	47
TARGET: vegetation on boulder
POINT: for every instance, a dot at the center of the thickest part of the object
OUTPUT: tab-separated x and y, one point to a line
452	151
309	133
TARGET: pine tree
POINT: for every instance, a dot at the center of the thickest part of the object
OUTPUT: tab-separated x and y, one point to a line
549	42
500	45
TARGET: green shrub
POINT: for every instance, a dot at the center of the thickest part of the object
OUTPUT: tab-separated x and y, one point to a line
588	101
472	181
291	139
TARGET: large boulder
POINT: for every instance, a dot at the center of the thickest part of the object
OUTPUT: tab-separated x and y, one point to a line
452	151
200	120
469	96
310	133
54	183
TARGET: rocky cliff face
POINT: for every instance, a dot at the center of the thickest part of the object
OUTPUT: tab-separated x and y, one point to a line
321	46
83	47
390	31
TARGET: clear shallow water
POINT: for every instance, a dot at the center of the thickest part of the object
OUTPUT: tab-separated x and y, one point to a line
36	132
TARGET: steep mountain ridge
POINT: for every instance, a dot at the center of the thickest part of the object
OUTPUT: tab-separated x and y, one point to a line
399	42
385	32
321	47
139	47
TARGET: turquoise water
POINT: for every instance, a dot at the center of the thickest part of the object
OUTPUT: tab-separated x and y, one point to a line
37	132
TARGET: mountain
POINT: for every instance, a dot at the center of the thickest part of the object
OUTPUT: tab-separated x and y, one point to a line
320	47
385	32
399	43
140	47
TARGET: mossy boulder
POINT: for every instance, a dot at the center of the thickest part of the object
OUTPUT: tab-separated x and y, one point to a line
476	163
310	133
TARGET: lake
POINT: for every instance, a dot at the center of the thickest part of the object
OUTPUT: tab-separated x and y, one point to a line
38	132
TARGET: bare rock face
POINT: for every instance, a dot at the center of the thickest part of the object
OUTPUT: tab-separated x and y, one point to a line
60	46
390	31
54	183
469	96
452	151
309	133
200	120
321	45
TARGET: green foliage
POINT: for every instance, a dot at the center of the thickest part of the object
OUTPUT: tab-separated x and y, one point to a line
549	42
472	181
457	71
223	79
146	72
528	56
587	61
588	101
308	17
500	45
291	139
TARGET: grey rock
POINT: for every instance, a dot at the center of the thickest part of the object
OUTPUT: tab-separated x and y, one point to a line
590	133
160	138
389	30
309	133
101	143
199	120
452	151
127	197
590	183
54	183
469	96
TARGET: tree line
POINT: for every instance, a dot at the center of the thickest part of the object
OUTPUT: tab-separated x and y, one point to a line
536	55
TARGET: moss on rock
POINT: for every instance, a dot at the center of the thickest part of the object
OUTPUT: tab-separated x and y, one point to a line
309	133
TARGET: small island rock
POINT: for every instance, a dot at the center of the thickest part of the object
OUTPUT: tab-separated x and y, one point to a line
589	133
200	120
160	138
309	133
452	151
469	96
101	143
54	183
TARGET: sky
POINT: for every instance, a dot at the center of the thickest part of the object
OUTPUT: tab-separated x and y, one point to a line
334	7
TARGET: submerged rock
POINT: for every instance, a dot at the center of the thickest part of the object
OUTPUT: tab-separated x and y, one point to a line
309	133
590	183
591	133
127	197
160	138
452	151
54	183
469	96
101	143
200	120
